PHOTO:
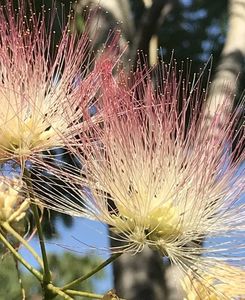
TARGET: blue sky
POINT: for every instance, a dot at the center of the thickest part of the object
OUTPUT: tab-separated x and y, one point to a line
79	239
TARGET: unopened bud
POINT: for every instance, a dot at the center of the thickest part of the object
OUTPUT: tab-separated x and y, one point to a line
13	204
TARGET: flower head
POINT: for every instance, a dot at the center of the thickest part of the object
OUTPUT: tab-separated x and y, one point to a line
158	175
44	87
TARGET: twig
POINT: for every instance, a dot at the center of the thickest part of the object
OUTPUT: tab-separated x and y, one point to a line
94	271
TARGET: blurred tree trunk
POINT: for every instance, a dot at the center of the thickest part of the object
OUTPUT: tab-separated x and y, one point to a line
140	276
226	80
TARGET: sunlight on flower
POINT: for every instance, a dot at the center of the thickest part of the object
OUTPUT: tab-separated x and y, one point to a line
227	282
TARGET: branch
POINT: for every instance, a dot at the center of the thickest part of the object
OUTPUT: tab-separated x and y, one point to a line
10	230
94	271
150	21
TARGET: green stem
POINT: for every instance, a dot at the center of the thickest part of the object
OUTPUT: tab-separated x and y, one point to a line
37	274
87	294
95	270
22	290
58	291
46	272
10	229
84	294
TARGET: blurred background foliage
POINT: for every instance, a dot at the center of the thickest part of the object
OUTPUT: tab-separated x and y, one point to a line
65	267
193	29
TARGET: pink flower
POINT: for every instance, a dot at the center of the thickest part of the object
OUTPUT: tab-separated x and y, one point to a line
44	87
159	175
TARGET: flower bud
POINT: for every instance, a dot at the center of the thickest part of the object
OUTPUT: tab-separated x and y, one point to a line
13	204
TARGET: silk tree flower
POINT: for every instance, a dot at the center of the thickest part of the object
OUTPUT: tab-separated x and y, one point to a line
159	175
44	87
